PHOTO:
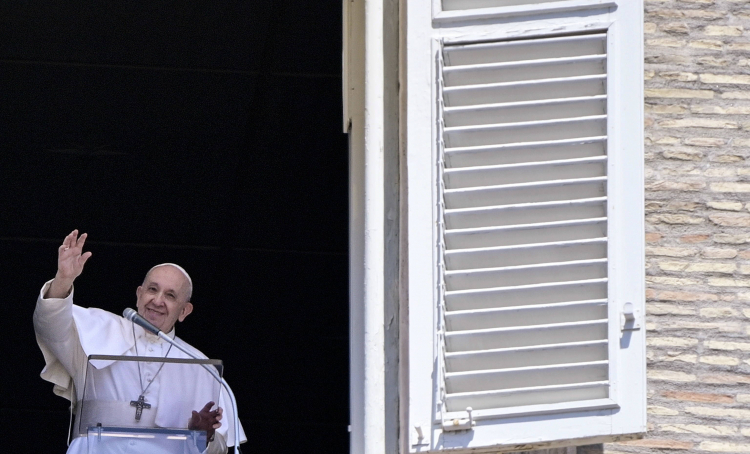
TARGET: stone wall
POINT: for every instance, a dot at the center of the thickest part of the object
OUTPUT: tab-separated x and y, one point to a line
697	128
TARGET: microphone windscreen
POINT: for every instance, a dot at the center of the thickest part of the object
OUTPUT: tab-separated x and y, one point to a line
129	313
133	316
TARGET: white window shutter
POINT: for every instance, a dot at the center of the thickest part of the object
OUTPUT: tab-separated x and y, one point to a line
525	217
513	189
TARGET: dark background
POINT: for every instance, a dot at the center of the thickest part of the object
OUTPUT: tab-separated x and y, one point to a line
206	133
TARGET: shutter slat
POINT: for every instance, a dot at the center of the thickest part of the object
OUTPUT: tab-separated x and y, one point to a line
564	190
526	336
548	293
522	50
528	254
525	275
526	234
526	111
452	5
516	153
524	377
502	358
542	396
526	91
526	315
525	213
478	135
524	70
525	173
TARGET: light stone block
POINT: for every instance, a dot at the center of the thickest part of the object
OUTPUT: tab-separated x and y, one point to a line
691	359
709	44
727	346
711	267
713	312
720	172
663	185
665	109
720	360
736	79
667	280
672	266
730	187
661	411
679	76
683	155
735	95
726	206
665	42
706	326
668	140
686	296
731	239
719	412
671	251
671	375
723	30
671	342
731	219
721	110
727	282
715	446
705	142
717	253
678	93
699	123
699	429
674	219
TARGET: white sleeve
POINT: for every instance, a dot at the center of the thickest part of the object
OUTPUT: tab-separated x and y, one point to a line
58	339
218	446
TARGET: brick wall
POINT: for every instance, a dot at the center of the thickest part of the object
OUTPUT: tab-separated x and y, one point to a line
697	127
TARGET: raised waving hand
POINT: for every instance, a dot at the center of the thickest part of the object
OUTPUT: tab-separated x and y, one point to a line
70	261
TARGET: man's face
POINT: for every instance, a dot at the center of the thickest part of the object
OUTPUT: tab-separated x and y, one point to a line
163	297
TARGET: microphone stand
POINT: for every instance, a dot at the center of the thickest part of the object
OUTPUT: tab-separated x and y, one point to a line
221	380
134	317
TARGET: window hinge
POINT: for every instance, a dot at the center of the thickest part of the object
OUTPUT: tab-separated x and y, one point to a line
452	425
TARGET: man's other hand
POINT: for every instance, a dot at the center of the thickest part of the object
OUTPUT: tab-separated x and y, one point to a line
207	420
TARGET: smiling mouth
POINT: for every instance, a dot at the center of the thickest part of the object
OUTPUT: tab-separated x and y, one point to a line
154	312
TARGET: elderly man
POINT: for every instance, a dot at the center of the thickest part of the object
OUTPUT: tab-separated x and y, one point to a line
67	334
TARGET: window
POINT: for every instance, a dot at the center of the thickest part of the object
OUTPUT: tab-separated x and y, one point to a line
524	199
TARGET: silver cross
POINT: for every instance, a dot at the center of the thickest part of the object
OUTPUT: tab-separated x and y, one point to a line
139	405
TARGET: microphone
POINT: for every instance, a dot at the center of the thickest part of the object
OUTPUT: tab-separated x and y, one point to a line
136	318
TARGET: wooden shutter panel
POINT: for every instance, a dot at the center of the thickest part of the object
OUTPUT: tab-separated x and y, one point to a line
524	222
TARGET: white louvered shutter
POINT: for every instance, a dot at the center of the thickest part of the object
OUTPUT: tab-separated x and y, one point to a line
525	222
536	238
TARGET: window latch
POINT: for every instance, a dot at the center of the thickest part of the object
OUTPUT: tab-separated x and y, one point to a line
630	318
452	425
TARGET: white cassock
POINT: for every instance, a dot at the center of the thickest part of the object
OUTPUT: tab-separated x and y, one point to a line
67	334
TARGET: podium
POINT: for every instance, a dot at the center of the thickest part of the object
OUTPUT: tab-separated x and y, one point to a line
142	404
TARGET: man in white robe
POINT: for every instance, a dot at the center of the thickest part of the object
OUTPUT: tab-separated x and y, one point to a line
67	334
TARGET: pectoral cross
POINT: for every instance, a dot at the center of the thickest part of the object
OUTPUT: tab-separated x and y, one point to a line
139	405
